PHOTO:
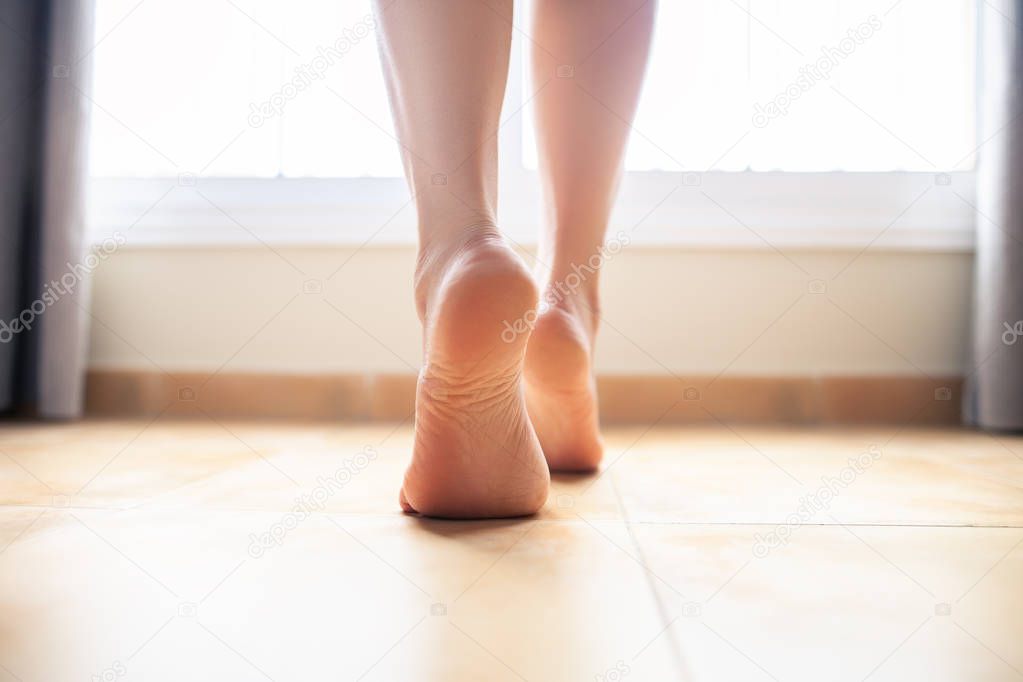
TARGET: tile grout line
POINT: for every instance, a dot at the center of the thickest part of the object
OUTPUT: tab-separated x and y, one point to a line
662	608
555	520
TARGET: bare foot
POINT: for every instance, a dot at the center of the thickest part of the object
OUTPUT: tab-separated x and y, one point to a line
475	454
561	393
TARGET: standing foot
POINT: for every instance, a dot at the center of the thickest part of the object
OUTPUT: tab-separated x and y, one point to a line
561	393
476	454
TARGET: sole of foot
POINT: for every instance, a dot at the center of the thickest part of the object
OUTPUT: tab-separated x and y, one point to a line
476	454
561	393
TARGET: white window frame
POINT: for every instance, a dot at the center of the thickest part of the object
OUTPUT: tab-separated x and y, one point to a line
717	209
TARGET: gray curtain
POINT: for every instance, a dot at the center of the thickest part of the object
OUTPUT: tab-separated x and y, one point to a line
45	50
994	386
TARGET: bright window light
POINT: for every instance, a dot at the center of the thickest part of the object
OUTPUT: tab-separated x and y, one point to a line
262	88
247	88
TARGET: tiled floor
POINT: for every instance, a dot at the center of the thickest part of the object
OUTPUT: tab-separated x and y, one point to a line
173	551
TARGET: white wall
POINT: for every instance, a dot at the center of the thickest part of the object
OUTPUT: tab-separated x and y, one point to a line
684	310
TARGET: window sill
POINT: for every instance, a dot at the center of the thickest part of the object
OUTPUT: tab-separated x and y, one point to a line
833	211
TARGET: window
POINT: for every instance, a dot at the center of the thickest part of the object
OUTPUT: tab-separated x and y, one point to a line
236	88
230	116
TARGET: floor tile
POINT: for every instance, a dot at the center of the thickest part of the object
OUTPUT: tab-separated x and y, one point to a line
883	476
240	465
569	601
879	603
387	598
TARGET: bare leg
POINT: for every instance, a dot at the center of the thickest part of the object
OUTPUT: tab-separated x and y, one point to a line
583	120
475	454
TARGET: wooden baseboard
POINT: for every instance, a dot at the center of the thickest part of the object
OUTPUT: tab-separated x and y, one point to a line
623	399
